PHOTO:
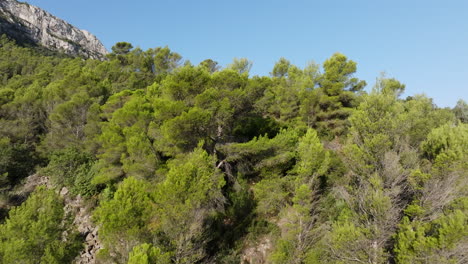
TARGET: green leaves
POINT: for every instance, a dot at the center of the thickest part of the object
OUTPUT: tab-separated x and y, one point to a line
185	84
125	146
33	231
269	157
193	164
448	140
128	210
192	180
440	240
124	219
337	95
183	132
187	201
122	48
173	212
148	254
460	111
241	65
65	165
389	86
337	75
312	159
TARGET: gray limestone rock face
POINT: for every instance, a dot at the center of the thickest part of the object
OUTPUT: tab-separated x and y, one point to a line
28	23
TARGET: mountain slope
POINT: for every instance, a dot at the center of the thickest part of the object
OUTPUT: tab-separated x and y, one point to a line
30	24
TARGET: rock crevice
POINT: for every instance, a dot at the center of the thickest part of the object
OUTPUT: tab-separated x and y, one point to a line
83	223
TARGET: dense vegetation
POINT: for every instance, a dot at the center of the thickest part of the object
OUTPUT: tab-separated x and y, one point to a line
198	164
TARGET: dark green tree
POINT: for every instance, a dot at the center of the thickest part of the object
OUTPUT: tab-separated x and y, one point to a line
211	65
337	97
122	48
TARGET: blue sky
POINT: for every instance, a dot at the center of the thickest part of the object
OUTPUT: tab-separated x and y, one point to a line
424	44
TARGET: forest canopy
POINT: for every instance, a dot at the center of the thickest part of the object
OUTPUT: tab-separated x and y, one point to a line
183	163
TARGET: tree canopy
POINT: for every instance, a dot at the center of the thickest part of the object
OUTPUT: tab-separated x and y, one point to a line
182	163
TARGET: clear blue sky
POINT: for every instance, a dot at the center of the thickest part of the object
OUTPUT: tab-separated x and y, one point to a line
424	44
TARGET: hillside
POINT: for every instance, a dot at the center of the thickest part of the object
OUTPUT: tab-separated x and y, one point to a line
143	157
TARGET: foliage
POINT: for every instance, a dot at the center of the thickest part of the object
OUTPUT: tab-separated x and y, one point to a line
337	95
148	254
33	232
461	111
64	166
124	218
197	164
186	201
121	48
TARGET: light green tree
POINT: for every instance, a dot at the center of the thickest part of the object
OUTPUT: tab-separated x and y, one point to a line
148	254
185	203
34	231
281	68
124	219
241	65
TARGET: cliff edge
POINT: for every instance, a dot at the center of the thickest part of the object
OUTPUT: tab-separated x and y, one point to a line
30	24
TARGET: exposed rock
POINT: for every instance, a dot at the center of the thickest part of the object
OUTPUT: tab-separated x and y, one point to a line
258	253
64	191
27	23
20	194
90	237
32	182
77	206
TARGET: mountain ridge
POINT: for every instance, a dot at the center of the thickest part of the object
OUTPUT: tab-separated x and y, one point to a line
30	24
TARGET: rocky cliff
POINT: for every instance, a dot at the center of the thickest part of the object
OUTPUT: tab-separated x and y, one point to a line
30	24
